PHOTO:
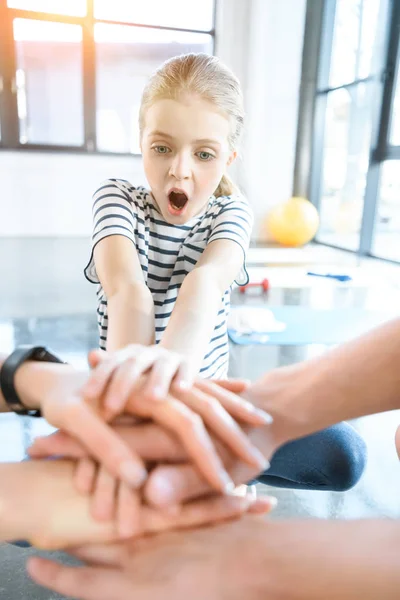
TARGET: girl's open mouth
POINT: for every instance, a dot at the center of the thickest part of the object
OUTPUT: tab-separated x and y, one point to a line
177	202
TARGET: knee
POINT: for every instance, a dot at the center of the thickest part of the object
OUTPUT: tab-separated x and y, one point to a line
347	457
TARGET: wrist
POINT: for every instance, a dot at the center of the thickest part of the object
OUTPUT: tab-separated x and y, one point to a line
35	380
244	565
289	395
17	520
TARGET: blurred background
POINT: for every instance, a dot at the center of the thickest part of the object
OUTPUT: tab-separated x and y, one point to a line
72	73
321	83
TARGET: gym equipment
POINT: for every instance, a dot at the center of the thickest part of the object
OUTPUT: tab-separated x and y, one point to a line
330	276
293	223
264	285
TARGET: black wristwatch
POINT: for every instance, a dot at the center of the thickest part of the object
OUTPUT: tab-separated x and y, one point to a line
9	368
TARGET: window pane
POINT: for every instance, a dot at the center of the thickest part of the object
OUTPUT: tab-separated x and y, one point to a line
395	126
345	164
126	57
49	82
357	40
59	7
172	13
387	224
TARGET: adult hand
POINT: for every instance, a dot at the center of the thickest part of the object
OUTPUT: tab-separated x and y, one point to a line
252	558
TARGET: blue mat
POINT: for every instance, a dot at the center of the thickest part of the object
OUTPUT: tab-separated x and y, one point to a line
312	326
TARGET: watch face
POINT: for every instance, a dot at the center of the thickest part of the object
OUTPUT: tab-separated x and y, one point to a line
40	353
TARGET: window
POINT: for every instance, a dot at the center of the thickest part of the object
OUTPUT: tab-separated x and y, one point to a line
125	56
345	163
357	40
59	7
395	124
356	157
180	14
387	226
76	69
49	82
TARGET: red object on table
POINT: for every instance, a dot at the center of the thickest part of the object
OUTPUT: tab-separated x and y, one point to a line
264	284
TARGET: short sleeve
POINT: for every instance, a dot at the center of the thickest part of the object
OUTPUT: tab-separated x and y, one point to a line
114	213
234	221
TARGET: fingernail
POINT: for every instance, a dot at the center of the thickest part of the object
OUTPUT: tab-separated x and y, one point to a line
157	392
273	502
164	491
262	462
132	473
183	384
229	486
263	505
266	417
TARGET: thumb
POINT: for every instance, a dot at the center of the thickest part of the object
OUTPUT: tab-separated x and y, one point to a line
95	357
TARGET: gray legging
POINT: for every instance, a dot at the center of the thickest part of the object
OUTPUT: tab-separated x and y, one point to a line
331	460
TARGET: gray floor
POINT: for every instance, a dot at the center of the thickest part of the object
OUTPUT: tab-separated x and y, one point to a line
46	299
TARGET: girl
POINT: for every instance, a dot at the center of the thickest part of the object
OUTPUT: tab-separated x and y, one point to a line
165	258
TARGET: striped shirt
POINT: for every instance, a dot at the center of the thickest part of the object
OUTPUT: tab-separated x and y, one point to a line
167	253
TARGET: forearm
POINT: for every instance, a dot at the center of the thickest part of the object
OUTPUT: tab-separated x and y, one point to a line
194	317
33	380
38	502
130	317
333	560
358	378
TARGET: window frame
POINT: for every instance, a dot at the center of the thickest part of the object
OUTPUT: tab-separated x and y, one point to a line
8	99
381	148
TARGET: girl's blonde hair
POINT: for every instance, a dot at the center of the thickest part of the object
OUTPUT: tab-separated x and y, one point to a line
207	77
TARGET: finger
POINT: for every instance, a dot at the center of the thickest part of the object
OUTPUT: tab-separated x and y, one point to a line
100	554
128	512
171	485
103	504
238	408
56	444
160	377
125	381
80	421
153	442
200	512
85	475
100	377
97	356
184	377
223	426
236	386
190	429
85	583
262	505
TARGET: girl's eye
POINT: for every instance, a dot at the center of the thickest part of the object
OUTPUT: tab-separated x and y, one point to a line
205	155
161	149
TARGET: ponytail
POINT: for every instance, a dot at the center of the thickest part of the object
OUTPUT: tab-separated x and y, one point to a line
226	187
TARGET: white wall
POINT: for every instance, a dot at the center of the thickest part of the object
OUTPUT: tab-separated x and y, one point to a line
48	194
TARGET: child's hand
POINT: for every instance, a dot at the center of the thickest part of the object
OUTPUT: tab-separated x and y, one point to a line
117	375
185	413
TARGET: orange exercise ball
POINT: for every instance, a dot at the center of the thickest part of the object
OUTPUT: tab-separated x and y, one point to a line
293	223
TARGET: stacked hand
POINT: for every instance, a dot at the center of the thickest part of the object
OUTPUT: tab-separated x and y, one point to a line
204	427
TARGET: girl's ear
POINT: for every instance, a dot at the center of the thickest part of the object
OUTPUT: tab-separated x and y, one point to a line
232	158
